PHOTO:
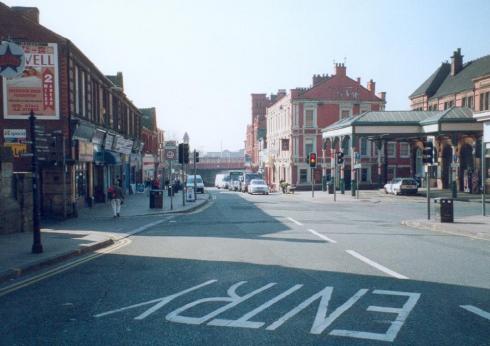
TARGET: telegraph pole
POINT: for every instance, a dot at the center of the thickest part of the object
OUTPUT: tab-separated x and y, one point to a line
37	247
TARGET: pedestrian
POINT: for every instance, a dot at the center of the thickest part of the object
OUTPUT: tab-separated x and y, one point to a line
116	197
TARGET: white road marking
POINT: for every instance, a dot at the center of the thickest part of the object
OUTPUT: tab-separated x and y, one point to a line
161	302
243	322
376	265
324	237
395	326
296	222
145	227
233	299
475	310
321	321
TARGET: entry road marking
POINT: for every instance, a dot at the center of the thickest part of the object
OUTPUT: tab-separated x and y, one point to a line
296	222
477	311
376	265
324	237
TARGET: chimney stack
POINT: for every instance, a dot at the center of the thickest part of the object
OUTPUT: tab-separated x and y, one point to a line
359	80
371	86
456	62
31	13
318	78
340	70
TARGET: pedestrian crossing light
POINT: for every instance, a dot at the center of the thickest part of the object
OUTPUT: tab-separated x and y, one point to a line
340	157
428	153
312	160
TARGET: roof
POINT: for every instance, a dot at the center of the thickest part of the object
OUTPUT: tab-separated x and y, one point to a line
403	118
429	87
442	83
463	80
451	115
338	87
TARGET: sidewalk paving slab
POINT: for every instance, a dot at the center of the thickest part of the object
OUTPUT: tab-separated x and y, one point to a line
93	229
476	227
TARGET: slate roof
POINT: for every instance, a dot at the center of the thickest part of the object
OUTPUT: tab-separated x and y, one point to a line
403	118
441	83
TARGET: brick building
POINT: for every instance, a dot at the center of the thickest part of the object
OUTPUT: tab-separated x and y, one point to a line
457	84
80	112
149	137
295	121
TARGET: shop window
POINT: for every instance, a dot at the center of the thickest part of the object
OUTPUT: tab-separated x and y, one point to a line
364	175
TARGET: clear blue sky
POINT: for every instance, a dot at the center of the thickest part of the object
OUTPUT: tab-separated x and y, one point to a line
198	61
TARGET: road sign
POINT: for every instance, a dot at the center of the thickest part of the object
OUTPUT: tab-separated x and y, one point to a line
170	154
358	166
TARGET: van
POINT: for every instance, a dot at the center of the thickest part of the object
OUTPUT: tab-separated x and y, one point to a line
218	181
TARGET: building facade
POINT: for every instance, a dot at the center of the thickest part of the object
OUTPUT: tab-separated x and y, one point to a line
295	121
458	84
89	128
149	136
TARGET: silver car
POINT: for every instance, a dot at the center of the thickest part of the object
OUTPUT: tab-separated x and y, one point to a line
258	186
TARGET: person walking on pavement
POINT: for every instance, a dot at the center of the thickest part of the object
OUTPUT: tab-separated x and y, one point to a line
116	197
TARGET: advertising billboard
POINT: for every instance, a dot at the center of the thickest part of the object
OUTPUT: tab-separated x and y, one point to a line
37	87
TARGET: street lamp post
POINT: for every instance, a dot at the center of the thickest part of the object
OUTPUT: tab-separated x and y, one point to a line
37	246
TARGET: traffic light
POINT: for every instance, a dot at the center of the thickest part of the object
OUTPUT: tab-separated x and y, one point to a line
428	153
183	153
196	156
312	160
340	157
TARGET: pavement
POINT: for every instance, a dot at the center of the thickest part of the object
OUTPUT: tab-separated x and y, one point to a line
93	229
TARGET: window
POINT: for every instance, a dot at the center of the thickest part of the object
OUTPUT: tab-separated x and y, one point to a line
404	150
344	114
470	102
391	149
309	118
309	147
364	175
364	147
285	144
303	175
484	101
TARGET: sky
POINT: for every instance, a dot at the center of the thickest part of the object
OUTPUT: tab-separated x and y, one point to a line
198	61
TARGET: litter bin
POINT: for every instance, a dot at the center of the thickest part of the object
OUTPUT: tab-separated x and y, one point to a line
330	187
170	191
156	199
445	212
190	197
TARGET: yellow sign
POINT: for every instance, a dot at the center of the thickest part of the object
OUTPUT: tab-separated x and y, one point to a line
17	148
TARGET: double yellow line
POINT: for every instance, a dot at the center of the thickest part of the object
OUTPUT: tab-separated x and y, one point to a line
61	268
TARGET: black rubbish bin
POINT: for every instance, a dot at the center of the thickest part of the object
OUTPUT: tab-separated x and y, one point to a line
445	212
156	199
330	187
170	191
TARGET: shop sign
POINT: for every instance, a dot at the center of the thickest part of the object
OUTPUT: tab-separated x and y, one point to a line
15	139
37	87
123	145
98	137
12	60
109	141
85	151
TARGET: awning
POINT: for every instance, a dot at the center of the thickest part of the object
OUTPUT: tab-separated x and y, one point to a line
111	158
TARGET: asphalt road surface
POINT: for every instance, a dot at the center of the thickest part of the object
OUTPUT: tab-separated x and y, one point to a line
266	270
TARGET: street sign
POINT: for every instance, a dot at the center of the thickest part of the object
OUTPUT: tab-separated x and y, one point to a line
455	165
358	166
170	154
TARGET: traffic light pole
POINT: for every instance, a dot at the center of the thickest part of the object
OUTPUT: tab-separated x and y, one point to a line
335	178
195	192
483	176
428	191
184	185
312	182
171	187
37	246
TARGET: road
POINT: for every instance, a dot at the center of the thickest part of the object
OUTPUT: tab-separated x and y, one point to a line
276	270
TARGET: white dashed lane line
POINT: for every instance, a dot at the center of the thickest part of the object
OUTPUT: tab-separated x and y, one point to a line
324	237
294	221
376	265
477	311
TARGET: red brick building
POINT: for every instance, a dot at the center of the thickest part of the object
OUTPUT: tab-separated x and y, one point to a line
82	108
149	137
295	121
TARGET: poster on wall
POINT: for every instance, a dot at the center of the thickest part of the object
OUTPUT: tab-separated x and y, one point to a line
37	88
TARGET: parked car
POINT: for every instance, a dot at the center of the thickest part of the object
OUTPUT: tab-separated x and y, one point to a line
401	186
199	183
235	180
218	181
258	186
246	179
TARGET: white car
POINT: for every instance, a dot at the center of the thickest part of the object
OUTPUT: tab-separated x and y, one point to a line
401	186
199	183
258	186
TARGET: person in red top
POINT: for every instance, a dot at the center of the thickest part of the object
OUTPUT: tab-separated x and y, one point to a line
116	197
